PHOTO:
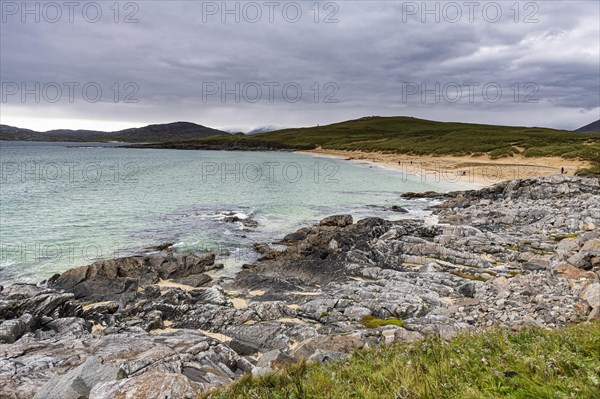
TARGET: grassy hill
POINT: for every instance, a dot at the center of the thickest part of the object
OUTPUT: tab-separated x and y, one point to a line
532	363
150	133
405	135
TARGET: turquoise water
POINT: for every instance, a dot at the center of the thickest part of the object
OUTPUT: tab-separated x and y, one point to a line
63	205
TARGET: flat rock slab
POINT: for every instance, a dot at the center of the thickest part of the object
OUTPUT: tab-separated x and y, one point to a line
152	385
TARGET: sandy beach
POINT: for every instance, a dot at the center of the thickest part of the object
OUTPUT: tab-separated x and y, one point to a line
479	170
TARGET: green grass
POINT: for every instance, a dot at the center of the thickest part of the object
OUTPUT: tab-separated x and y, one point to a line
503	152
518	246
405	135
532	363
468	276
562	237
592	171
374	322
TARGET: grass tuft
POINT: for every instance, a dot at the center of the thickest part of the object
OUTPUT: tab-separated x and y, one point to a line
468	276
374	322
562	237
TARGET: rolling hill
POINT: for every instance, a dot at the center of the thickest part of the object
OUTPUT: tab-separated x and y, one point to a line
150	133
406	135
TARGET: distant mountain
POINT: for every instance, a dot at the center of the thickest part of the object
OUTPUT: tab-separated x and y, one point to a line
593	127
151	133
263	129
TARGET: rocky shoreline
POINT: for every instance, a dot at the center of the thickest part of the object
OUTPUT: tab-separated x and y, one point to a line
520	253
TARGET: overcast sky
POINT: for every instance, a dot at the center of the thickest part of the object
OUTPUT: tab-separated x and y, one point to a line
164	61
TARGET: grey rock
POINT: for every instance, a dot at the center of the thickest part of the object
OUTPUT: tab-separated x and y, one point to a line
431	267
307	300
153	320
328	344
261	248
12	330
247	222
357	312
266	311
591	294
75	326
78	382
215	295
404	335
337	221
19	299
151	385
274	359
582	260
594	314
114	278
152	291
194	280
468	289
327	356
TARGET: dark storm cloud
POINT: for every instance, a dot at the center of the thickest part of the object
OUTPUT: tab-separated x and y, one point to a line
368	57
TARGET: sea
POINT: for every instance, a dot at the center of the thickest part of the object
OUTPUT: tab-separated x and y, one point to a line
64	205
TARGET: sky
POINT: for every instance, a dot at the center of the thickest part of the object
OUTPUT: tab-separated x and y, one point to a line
245	65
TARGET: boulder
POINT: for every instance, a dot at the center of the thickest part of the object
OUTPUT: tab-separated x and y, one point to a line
468	289
337	221
19	299
594	314
106	288
431	267
261	248
357	312
70	325
78	382
327	356
571	272
247	222
266	311
538	262
404	335
274	359
582	260
12	330
120	278
181	265
215	295
332	343
591	294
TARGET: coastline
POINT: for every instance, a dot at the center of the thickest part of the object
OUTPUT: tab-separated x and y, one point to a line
523	254
478	170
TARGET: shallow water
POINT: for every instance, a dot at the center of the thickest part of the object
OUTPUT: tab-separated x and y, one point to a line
63	205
